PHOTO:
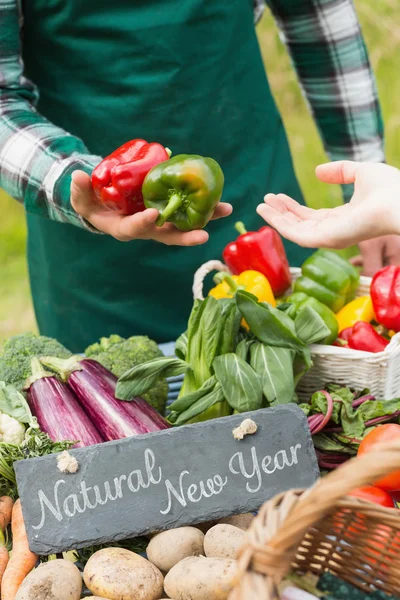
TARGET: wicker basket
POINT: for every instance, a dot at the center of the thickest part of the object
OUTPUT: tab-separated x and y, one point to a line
379	372
321	530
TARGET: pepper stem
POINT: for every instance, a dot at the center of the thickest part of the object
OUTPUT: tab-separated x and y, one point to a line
220	277
240	228
168	151
174	203
62	366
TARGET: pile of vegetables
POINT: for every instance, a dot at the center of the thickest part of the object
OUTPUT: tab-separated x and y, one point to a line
340	418
229	367
118	355
83	406
328	284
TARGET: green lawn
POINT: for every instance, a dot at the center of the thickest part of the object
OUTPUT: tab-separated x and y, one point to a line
383	38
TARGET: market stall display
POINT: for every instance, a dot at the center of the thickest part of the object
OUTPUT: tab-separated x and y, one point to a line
376	365
279	369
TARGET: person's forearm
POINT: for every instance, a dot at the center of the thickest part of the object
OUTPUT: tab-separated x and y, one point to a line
36	157
328	51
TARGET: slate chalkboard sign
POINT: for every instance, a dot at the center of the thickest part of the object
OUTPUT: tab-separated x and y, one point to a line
162	480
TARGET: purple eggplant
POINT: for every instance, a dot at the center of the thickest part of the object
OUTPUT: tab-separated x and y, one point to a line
57	410
94	387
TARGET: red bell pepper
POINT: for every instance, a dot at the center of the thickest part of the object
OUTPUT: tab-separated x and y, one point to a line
364	337
117	180
343	337
261	251
385	294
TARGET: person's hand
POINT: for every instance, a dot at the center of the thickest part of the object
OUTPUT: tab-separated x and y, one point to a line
378	253
140	226
371	218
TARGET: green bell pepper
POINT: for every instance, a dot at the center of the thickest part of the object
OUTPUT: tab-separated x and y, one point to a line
185	190
298	300
221	409
329	278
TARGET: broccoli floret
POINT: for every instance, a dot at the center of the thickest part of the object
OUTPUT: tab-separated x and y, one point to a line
15	359
119	355
103	345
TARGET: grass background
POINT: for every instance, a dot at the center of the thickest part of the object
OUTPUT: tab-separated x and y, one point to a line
378	19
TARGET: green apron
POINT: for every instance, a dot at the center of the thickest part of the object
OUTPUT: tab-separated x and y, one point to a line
186	73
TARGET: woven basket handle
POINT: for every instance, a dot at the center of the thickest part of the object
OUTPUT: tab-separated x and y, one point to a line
318	501
201	274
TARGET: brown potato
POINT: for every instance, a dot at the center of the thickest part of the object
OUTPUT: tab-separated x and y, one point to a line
223	541
242	521
168	548
200	578
119	574
57	579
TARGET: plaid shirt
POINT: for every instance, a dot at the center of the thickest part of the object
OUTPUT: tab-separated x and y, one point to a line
328	52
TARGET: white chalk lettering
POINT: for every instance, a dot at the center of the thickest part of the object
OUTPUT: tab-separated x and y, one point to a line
44	501
150	461
215	486
242	469
182	491
269	464
171	490
71	512
84	491
118	485
293	452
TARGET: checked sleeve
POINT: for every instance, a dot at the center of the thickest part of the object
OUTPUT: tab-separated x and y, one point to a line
326	44
36	157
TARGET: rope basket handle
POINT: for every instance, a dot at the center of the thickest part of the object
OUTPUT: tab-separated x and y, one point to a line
306	509
201	274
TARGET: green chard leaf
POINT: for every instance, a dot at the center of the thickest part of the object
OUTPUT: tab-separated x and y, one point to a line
181	346
275	367
210	330
310	326
184	402
319	404
141	378
231	319
13	404
270	325
372	409
330	444
243	347
352	422
215	396
240	384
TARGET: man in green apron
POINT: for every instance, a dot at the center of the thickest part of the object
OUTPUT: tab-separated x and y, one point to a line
185	73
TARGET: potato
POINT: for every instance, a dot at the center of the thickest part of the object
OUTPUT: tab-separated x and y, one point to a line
223	541
200	578
120	574
242	521
168	548
57	579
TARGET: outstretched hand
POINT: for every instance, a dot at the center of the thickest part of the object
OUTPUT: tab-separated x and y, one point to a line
140	226
372	217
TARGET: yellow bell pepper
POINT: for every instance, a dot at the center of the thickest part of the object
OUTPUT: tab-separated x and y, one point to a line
252	281
360	309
